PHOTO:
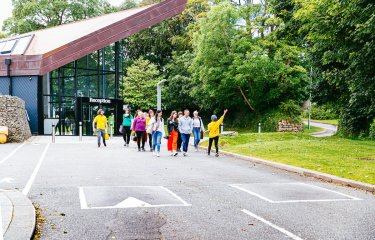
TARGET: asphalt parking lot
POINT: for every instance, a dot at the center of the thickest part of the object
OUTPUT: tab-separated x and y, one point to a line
116	192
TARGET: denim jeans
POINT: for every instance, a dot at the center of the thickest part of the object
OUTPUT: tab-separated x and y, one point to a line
101	134
156	140
185	142
197	136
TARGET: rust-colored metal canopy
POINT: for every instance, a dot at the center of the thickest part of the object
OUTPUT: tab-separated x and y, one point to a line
54	47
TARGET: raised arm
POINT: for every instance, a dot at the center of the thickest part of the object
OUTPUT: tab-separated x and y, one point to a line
220	121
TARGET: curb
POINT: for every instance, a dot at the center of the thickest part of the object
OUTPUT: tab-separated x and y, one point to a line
23	220
305	172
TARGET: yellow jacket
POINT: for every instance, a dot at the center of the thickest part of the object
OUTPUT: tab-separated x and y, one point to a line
214	126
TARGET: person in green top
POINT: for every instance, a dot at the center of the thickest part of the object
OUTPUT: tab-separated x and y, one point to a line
111	121
127	122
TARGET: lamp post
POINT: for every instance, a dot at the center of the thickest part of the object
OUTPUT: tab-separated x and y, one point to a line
159	93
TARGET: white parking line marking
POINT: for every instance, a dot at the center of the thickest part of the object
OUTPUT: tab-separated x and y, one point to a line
11	153
27	188
84	204
82	198
252	193
286	232
329	190
350	198
175	195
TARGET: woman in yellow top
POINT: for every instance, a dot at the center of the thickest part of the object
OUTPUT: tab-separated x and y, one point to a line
213	128
101	125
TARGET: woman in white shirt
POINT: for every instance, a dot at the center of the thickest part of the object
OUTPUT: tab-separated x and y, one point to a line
198	129
157	132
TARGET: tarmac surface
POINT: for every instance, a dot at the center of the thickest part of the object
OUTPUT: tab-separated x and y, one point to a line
86	192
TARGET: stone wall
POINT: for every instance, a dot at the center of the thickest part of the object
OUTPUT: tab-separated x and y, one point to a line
13	115
286	126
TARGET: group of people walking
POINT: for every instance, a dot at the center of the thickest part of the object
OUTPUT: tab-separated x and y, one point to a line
150	127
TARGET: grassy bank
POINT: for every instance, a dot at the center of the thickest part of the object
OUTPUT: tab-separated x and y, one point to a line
353	159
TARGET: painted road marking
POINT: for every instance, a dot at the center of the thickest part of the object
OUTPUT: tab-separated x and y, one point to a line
267	199
101	197
27	188
11	153
286	232
7	180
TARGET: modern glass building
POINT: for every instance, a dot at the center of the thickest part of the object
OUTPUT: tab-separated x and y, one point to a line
74	92
66	73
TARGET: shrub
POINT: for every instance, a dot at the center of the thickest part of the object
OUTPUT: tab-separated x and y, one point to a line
323	112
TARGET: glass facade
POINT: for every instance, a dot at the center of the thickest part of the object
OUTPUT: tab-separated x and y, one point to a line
96	75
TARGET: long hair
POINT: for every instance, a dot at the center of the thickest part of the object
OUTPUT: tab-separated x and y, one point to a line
156	115
171	117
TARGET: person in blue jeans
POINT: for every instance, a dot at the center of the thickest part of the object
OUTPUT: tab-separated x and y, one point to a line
198	129
185	125
157	133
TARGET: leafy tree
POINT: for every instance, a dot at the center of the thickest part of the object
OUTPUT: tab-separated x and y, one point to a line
241	64
340	36
38	14
177	93
128	4
140	84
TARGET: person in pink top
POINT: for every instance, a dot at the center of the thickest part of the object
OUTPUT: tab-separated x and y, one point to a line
139	126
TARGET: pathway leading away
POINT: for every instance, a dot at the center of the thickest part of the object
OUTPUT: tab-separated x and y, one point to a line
116	192
329	129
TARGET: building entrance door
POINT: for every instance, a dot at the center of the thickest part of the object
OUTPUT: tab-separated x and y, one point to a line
87	109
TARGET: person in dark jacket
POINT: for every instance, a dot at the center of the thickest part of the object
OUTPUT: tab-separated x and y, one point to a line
173	133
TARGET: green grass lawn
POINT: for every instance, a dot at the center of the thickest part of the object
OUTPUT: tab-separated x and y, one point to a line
353	159
330	121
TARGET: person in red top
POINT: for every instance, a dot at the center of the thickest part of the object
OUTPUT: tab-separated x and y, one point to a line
139	126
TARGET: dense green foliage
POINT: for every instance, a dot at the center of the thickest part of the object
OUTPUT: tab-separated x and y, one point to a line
340	40
322	112
140	81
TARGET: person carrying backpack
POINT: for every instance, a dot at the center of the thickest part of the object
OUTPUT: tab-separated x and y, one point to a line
213	128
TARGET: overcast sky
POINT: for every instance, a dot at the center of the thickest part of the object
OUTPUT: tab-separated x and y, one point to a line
6	9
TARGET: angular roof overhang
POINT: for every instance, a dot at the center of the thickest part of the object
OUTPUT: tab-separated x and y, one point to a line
54	47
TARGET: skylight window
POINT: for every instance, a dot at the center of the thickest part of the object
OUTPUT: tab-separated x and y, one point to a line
15	46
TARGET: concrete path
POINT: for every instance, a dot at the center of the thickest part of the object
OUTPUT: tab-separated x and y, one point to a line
116	192
329	129
17	215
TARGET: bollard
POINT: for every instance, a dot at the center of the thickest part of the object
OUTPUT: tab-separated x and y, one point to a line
111	130
80	131
53	133
222	127
259	130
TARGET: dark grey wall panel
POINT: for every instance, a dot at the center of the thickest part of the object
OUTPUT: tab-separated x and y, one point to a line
4	86
26	88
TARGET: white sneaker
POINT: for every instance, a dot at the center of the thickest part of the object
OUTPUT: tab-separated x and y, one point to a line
172	153
196	149
158	154
153	153
175	154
